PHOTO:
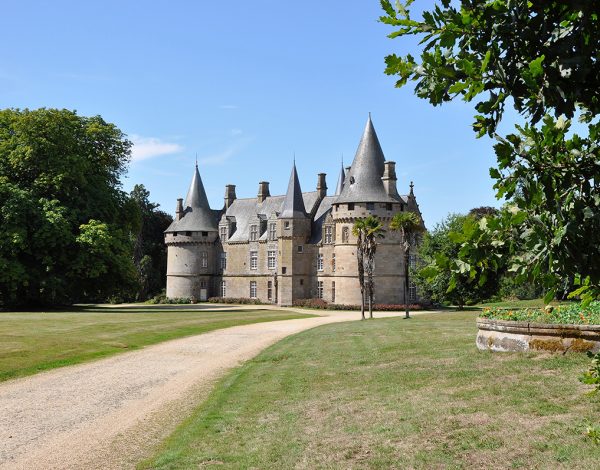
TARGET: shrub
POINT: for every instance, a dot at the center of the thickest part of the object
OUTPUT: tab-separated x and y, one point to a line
321	304
234	300
163	299
592	376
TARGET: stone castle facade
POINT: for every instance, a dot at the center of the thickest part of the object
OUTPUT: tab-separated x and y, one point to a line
296	246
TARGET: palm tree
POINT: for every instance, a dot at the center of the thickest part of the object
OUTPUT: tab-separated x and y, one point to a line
367	231
409	224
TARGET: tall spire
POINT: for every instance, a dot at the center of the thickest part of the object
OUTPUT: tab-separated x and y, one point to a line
363	181
341	179
197	215
293	204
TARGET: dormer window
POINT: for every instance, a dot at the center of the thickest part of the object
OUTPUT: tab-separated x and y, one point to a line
253	233
223	234
370	206
328	238
286	224
205	234
350	206
272	231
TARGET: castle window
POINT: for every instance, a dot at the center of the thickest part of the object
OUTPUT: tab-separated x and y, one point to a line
388	206
253	233
328	234
350	206
412	261
223	261
320	262
203	259
223	234
283	270
319	289
174	234
286	224
202	284
333	262
253	292
272	231
370	206
205	234
223	289
188	234
300	249
412	292
254	260
345	235
333	291
270	290
271	259
301	282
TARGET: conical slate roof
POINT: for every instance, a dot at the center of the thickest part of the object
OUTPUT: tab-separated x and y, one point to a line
363	181
197	215
340	183
293	204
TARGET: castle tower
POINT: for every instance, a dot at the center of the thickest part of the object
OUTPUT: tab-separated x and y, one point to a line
294	259
369	188
191	248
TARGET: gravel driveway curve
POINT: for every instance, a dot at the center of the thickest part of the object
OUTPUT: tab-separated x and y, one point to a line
109	413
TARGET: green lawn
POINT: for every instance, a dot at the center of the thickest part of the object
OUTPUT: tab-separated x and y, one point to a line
35	341
391	393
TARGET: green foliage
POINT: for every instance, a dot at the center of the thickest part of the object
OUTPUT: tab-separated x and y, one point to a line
541	55
573	314
445	277
592	375
150	253
65	225
542	58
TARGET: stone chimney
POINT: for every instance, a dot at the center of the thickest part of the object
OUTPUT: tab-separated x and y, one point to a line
389	179
321	185
179	210
229	195
263	191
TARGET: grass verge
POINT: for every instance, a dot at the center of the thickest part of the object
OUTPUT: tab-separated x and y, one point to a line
31	342
391	393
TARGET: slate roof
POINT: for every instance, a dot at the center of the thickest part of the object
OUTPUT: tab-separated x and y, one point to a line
246	211
293	204
320	216
340	182
197	214
363	181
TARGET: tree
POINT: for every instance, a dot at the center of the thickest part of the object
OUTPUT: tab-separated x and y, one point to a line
410	225
65	225
439	253
367	230
541	57
150	254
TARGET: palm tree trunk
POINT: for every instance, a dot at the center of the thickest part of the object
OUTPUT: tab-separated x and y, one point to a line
362	303
406	284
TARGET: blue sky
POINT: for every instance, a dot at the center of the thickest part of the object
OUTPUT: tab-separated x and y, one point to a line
245	85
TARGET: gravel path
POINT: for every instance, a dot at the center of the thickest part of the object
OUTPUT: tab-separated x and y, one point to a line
111	412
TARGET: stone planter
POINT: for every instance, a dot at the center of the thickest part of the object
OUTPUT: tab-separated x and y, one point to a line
502	335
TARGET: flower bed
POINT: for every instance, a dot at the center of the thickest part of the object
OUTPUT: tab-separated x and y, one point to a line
572	314
558	329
